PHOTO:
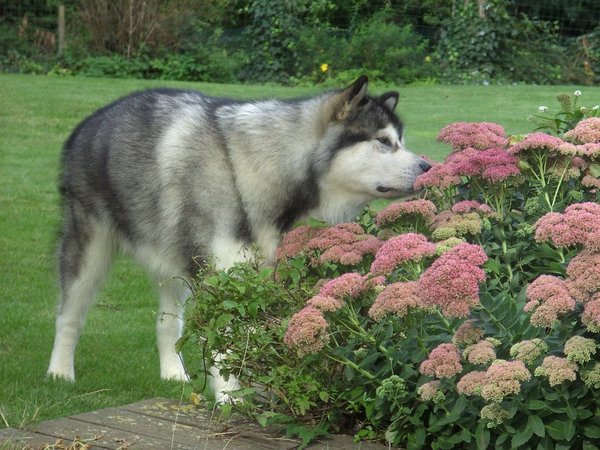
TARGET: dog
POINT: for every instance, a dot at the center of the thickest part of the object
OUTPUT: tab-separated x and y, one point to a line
175	177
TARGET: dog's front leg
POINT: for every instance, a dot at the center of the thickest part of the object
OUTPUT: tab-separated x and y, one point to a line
169	327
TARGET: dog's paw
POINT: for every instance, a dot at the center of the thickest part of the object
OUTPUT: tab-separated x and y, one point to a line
67	375
174	375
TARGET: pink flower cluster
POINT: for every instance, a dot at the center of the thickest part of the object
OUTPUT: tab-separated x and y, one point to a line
443	362
528	351
294	242
557	370
331	295
585	132
400	249
431	391
424	209
479	135
440	176
580	350
591	314
467	334
471	383
579	224
548	299
583	281
452	281
449	224
537	141
502	378
396	298
482	352
349	284
467	206
307	331
493	165
346	243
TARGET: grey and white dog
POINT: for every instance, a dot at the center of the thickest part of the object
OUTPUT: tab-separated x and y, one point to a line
175	177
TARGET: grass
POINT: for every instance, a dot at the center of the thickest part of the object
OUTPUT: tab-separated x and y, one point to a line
117	360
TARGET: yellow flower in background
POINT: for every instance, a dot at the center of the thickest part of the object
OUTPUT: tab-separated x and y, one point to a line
428	59
324	67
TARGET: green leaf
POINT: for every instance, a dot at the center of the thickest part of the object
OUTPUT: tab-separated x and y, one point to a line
536	405
592	431
537	426
223	320
229	304
556	430
482	436
595	170
522	437
569	430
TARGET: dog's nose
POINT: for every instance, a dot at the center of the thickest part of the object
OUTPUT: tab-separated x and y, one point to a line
424	165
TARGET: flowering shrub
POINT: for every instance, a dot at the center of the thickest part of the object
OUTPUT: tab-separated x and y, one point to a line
467	318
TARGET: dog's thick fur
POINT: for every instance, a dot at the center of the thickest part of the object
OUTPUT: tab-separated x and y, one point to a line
174	177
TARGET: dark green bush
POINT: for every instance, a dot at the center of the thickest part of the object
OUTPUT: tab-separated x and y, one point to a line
493	45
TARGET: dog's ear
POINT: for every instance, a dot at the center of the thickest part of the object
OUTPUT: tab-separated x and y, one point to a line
390	99
339	105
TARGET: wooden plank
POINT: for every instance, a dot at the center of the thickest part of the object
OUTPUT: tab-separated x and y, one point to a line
165	424
187	414
22	439
103	435
204	433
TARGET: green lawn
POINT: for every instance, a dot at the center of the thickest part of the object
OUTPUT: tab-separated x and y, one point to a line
117	360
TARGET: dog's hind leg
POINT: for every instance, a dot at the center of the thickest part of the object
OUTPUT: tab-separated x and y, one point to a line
85	256
169	326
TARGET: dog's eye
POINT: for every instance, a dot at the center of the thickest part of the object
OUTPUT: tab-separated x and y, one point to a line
385	141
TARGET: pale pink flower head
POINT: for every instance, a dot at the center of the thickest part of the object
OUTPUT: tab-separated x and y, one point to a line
325	303
307	331
504	378
347	285
557	370
423	209
443	362
482	352
548	299
590	151
573	227
467	334
452	282
493	166
471	383
591	315
397	298
537	141
431	391
472	253
529	351
580	349
467	206
591	377
439	176
449	224
585	132
494	414
400	249
479	135
346	243
583	272
294	242
590	181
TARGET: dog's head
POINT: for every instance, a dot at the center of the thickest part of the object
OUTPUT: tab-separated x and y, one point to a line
366	144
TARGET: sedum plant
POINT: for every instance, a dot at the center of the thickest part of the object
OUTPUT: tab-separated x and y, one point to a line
466	318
